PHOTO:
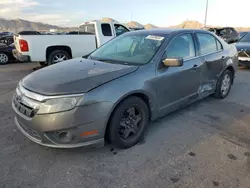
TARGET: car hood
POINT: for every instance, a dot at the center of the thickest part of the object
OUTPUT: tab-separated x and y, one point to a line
74	76
243	46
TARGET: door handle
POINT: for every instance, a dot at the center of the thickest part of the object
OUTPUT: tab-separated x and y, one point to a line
194	68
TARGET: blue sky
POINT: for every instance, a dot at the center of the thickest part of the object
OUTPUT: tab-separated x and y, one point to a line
158	12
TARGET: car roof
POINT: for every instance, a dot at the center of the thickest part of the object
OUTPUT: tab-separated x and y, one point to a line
166	31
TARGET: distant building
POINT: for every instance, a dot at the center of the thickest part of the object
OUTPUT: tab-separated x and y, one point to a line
53	30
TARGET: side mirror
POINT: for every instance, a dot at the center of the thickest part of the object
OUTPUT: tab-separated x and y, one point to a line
173	62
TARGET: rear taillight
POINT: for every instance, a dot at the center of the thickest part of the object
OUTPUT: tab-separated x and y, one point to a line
24	47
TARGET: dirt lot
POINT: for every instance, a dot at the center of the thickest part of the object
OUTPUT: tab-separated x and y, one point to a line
204	145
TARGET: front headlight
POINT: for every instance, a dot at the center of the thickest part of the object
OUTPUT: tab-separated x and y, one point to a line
58	105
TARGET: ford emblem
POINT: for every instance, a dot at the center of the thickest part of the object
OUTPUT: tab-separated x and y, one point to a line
19	98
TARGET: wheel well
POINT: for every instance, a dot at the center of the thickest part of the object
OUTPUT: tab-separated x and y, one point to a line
53	48
230	68
142	96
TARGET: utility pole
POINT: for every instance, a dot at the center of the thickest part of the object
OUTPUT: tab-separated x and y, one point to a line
205	23
131	16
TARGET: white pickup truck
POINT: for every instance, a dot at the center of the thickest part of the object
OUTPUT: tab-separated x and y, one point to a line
50	49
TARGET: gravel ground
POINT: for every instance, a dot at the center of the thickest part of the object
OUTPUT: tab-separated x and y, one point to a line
204	145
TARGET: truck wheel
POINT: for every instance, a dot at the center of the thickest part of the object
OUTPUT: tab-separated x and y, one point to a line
43	64
58	56
128	123
224	85
3	58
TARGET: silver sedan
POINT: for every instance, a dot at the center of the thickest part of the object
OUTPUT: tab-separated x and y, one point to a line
115	92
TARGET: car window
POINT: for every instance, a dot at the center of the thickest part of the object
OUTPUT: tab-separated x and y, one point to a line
222	32
119	29
242	34
229	31
181	46
219	45
245	38
87	28
106	30
207	42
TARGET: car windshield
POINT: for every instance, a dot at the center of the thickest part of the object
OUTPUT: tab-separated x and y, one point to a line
245	38
242	34
129	48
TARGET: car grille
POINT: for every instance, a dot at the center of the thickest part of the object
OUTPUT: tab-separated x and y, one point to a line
30	131
244	54
23	109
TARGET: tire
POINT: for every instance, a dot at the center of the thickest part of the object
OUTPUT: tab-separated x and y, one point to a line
117	132
219	93
4	58
43	64
60	54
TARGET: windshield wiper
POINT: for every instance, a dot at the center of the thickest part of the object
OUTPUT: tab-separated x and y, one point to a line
111	61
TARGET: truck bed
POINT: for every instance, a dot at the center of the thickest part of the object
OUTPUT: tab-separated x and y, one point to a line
38	44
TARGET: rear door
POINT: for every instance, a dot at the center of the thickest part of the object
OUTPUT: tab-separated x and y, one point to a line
213	57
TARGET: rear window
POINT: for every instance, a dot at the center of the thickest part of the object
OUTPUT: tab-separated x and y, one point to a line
208	43
88	29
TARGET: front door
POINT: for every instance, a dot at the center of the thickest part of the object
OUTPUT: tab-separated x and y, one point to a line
178	85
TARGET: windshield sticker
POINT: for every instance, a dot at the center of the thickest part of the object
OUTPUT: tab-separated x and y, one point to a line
153	37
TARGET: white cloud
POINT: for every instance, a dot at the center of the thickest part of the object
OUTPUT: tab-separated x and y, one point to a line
18	3
14	9
5	10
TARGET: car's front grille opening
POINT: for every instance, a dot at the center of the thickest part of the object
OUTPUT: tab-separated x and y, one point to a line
31	132
23	109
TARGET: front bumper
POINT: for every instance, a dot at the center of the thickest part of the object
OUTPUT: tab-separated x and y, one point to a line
247	59
99	142
20	57
44	129
244	61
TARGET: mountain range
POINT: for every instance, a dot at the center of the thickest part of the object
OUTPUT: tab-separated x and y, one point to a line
21	25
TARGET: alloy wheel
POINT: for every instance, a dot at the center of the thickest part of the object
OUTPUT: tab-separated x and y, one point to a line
130	123
59	57
3	58
226	83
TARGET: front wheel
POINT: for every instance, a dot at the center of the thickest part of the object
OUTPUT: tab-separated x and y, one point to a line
128	123
224	85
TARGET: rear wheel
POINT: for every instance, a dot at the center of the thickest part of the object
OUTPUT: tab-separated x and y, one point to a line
3	58
58	56
224	85
128	123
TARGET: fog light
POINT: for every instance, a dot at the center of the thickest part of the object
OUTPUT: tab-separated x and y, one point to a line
65	136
